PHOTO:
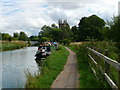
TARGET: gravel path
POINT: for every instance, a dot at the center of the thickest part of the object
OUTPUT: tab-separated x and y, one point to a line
69	77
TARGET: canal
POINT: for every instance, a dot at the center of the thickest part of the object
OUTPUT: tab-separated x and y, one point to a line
15	64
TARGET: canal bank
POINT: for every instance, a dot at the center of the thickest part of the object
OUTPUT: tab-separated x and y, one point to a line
53	65
7	45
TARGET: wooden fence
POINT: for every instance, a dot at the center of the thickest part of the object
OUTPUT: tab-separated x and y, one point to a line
95	62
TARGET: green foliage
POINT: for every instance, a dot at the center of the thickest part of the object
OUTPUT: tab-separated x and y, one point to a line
101	47
54	33
23	36
0	36
44	39
52	66
89	27
11	45
66	41
54	26
75	36
33	38
15	36
5	36
87	78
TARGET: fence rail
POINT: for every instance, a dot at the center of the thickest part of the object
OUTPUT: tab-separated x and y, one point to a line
107	63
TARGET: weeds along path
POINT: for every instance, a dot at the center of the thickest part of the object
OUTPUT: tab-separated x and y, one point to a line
69	77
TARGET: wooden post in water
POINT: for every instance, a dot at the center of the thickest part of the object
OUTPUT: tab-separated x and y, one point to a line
107	66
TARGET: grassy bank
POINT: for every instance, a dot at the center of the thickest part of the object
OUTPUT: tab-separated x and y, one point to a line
53	65
87	78
4	46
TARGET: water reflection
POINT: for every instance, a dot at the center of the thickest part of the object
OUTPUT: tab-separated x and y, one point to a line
14	65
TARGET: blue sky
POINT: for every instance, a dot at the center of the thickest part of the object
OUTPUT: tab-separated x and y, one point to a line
30	15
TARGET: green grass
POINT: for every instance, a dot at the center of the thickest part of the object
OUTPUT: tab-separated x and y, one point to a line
5	46
87	78
51	68
112	53
84	68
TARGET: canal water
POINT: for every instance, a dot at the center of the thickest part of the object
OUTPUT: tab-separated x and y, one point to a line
15	64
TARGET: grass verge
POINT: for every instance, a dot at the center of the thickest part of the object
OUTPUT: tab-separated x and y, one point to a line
53	65
87	78
5	46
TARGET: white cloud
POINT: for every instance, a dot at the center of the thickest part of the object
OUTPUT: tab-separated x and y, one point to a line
30	15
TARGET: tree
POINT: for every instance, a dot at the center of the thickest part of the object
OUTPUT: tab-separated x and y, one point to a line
0	36
15	36
66	41
54	26
115	32
75	36
90	27
56	34
23	36
43	39
45	32
33	38
5	36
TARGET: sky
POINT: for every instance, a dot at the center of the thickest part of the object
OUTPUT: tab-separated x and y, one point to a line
30	15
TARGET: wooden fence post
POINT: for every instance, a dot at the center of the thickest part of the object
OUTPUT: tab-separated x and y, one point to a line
107	66
119	71
118	52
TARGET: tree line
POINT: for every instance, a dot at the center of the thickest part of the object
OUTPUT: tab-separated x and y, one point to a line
18	36
91	27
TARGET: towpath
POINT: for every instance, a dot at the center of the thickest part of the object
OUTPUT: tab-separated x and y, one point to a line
69	77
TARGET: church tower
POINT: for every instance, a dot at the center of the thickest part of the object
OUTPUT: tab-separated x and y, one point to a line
62	23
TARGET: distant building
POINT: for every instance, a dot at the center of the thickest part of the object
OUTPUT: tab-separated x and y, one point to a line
63	23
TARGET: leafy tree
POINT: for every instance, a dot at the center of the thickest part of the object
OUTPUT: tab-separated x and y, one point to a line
115	32
43	39
54	33
5	36
10	39
23	36
0	36
75	31
33	38
15	36
45	32
106	34
54	26
66	41
90	27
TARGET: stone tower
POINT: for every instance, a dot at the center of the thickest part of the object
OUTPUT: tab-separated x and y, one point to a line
63	23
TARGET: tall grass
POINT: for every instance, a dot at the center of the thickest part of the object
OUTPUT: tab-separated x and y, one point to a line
84	68
87	78
4	46
112	53
52	66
